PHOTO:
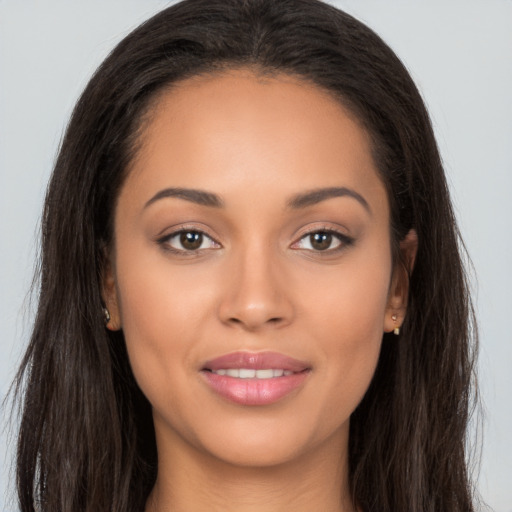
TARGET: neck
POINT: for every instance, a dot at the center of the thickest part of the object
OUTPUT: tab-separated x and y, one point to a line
190	480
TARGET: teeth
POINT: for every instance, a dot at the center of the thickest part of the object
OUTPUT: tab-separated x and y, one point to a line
264	374
248	373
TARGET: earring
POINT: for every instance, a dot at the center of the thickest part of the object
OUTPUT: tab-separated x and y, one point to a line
396	330
106	314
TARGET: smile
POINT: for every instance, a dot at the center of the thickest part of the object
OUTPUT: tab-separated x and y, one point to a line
255	378
250	373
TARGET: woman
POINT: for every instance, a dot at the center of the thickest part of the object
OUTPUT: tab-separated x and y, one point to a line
251	292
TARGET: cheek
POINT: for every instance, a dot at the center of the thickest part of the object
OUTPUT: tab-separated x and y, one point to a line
166	311
158	300
158	319
350	300
347	321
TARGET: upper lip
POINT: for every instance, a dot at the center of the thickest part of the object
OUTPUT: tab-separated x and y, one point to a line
256	361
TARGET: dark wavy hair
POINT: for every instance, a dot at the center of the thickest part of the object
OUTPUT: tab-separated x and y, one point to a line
86	441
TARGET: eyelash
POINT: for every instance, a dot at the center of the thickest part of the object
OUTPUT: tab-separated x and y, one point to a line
344	241
164	241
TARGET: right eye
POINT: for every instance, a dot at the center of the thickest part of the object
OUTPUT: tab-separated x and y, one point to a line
188	240
323	241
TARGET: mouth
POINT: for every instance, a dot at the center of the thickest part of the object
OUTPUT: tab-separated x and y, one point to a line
260	378
259	361
251	373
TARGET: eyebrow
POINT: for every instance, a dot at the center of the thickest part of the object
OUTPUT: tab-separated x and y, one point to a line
188	194
298	201
321	194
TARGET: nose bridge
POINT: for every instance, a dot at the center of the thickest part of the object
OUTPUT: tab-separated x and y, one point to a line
256	294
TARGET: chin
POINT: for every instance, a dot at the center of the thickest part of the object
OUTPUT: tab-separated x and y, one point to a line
268	443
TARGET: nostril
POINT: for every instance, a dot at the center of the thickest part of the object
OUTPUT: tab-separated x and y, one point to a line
240	321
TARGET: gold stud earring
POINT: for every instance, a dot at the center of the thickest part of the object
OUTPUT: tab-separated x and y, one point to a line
396	330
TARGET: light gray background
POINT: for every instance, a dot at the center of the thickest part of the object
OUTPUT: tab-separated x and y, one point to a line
458	51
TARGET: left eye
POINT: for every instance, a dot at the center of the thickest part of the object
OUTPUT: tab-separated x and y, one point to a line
321	241
190	241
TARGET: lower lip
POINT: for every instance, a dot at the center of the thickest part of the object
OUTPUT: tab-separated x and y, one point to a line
254	391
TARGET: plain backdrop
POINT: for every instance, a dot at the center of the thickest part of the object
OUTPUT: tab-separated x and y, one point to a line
458	51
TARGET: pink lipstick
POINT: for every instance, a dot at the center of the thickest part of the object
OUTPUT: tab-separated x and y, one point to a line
255	378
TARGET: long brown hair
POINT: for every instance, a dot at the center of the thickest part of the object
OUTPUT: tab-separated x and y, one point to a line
86	441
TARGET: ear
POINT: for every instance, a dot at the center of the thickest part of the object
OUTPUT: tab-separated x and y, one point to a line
399	288
109	293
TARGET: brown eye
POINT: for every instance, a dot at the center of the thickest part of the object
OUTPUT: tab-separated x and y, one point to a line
191	240
323	241
188	241
320	241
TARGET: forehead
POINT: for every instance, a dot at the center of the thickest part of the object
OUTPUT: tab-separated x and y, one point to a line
239	131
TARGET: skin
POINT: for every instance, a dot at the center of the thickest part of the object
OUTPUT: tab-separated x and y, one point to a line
256	284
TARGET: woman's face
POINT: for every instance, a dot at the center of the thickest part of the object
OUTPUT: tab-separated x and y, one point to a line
251	271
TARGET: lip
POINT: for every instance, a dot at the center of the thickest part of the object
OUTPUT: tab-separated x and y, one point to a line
256	361
254	391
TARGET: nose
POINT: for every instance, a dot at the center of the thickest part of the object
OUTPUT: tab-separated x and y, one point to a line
257	293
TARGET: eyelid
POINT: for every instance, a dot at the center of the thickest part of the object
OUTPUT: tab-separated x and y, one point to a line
163	240
344	239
